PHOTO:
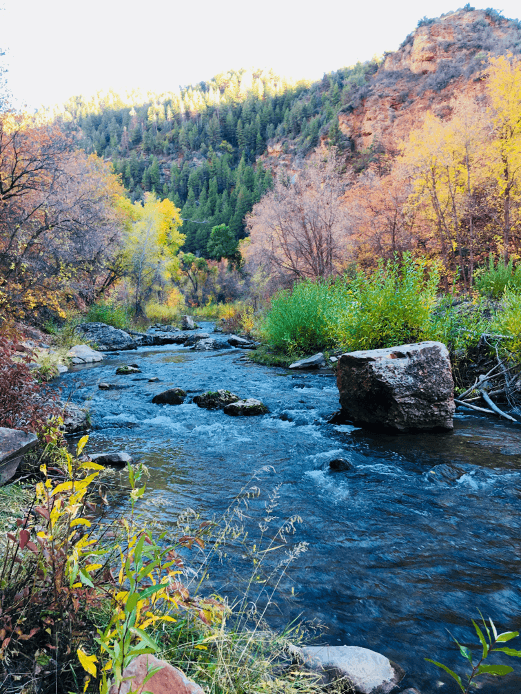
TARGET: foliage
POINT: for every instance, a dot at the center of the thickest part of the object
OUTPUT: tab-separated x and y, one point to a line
24	402
306	318
493	644
109	312
507	322
491	281
223	244
59	221
459	323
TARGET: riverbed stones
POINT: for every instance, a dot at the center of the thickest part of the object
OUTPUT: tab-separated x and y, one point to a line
209	344
118	458
187	323
127	369
83	354
403	388
75	419
173	396
191	340
106	337
167	680
315	362
366	671
339	464
246	408
14	444
236	341
215	400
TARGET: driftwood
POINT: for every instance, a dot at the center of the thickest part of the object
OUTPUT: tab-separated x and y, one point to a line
495	408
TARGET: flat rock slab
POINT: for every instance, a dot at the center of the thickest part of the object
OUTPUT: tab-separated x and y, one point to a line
246	408
190	340
168	680
14	444
403	388
237	341
215	400
315	362
366	671
118	458
105	337
210	343
173	396
83	354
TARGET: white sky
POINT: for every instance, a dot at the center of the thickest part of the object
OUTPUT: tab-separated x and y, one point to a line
59	48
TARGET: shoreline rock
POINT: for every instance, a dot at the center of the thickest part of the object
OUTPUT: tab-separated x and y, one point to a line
315	362
14	444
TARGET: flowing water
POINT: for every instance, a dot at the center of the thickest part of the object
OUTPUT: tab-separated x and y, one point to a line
414	540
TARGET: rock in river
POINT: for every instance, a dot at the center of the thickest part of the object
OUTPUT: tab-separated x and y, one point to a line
187	323
83	354
400	388
127	369
215	400
192	339
117	458
367	672
314	362
340	464
75	419
173	396
14	444
106	337
248	408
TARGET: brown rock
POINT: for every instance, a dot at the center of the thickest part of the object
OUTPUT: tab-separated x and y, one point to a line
401	388
215	400
14	444
168	680
173	396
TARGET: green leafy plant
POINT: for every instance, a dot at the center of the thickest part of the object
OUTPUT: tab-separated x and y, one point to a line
489	644
109	312
507	322
492	280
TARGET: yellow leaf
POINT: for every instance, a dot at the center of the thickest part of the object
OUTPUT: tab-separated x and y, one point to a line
80	521
93	567
108	665
81	444
87	662
63	487
91	466
201	648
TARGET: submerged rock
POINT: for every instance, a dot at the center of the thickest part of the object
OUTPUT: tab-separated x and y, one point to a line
83	354
117	458
167	680
210	343
246	408
105	337
366	671
315	362
173	396
14	444
215	400
127	369
402	388
340	464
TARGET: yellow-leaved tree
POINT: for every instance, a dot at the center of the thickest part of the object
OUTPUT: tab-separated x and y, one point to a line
503	146
152	240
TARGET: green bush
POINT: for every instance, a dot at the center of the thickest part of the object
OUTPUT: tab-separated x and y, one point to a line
110	313
392	306
460	324
306	318
492	281
507	322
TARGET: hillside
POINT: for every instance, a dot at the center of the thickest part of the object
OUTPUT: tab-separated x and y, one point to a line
213	148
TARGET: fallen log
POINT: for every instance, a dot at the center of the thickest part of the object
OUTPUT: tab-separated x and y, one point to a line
495	408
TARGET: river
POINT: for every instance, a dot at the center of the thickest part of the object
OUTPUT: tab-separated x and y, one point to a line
414	540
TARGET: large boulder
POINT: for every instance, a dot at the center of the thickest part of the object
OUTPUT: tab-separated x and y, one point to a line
173	396
105	337
363	671
237	341
400	388
14	444
190	340
117	458
215	400
210	343
83	354
246	408
315	362
167	679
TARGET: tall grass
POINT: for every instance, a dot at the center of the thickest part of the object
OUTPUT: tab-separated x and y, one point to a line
109	312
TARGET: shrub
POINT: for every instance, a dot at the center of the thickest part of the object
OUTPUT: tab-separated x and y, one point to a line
492	281
391	306
459	324
161	313
305	319
24	403
110	313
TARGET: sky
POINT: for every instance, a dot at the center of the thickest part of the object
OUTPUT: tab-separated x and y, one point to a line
55	49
